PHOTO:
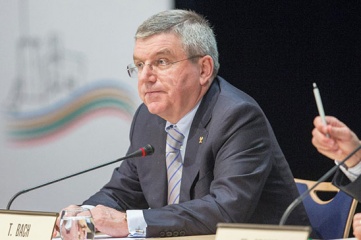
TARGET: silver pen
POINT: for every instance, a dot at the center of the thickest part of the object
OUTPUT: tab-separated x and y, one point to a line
321	111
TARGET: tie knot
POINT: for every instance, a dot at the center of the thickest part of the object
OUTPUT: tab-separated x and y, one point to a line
174	139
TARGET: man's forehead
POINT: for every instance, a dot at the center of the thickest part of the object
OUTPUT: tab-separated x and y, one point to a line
159	45
155	53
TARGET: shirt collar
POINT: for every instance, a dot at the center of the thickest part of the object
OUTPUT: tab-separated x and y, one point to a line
184	124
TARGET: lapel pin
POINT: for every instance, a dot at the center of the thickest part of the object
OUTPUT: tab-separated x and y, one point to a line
200	140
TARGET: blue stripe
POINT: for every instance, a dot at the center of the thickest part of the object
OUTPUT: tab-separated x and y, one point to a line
173	147
174	173
176	157
174	187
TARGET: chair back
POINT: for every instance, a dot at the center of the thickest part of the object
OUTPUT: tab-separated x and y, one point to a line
331	218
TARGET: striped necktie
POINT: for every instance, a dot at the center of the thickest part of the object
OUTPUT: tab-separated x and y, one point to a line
174	163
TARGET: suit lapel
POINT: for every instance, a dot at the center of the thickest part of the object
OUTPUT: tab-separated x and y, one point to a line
157	165
197	137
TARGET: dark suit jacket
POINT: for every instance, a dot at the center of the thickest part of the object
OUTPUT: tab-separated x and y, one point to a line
237	173
353	189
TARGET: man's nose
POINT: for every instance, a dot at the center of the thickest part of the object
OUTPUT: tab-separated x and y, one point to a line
148	66
147	73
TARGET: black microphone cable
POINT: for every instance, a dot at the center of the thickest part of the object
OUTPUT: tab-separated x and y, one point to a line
142	152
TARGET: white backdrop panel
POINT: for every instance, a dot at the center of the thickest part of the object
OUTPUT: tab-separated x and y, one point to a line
60	62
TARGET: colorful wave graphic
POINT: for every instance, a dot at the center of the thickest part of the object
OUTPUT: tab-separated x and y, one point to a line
100	98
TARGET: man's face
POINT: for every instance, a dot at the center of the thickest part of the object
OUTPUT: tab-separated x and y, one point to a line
173	91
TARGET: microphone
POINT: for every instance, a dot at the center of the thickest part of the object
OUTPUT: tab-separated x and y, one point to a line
142	152
298	200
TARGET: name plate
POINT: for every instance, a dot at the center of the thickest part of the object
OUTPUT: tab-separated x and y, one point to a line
26	225
235	231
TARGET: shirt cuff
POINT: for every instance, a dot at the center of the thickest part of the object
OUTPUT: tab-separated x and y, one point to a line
352	173
90	207
137	225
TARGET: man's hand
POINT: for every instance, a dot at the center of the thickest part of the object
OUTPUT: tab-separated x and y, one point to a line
110	221
340	141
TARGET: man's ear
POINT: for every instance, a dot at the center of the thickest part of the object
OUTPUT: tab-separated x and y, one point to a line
207	66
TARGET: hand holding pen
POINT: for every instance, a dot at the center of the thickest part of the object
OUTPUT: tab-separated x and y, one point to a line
332	137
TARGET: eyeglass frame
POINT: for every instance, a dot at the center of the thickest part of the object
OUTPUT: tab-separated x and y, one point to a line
132	68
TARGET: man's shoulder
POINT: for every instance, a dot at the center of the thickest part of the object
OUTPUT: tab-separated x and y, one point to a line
227	88
233	95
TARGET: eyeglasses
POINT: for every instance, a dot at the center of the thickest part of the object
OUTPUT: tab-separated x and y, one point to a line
158	65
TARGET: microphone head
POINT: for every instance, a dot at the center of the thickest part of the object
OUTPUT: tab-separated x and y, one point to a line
148	149
142	152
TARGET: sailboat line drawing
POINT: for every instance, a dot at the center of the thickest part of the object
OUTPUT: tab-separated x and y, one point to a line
44	76
50	93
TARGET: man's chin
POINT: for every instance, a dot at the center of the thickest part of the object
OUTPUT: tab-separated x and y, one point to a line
154	108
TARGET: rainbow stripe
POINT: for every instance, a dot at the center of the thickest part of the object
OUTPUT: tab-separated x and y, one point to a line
100	98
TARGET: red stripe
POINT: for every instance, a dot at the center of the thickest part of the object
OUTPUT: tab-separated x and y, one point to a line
143	152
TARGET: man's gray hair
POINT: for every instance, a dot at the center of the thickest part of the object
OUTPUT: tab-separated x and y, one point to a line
193	29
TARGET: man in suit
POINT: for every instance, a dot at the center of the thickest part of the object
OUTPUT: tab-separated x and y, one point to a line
335	140
232	168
